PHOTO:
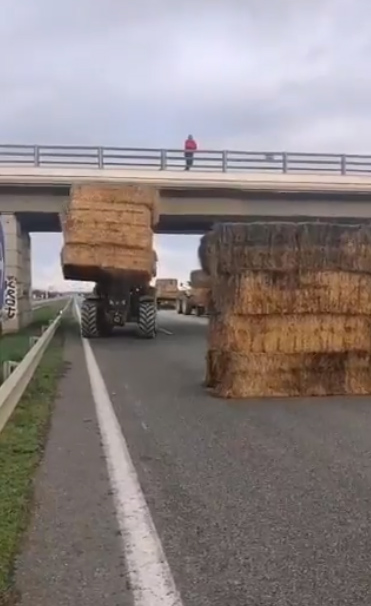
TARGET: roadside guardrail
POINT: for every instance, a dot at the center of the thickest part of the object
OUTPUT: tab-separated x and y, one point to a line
21	374
206	160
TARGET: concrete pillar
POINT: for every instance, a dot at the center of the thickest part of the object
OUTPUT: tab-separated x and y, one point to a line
25	301
17	311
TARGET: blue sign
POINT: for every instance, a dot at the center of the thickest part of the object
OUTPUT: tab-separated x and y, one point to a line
2	266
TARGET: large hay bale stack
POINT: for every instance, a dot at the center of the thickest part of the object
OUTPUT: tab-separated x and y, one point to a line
109	229
199	279
201	297
291	309
206	253
200	283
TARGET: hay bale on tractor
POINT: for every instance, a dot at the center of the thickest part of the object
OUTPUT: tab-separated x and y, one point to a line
108	239
109	230
291	309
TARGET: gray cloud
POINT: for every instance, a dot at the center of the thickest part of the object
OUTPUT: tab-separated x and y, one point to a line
147	72
242	74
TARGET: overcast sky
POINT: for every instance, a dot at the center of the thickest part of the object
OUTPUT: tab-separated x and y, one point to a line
238	74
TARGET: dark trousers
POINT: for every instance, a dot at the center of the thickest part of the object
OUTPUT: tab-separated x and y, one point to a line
188	159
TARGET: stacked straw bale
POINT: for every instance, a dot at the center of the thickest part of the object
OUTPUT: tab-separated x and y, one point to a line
200	284
199	279
110	229
291	309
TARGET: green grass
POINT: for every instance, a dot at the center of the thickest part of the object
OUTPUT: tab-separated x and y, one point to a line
21	446
15	346
52	305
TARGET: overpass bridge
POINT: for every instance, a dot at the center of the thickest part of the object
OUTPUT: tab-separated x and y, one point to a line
35	182
223	185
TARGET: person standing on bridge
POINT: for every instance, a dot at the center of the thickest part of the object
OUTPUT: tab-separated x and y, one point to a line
190	146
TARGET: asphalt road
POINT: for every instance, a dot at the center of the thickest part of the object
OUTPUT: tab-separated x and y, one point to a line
256	503
260	503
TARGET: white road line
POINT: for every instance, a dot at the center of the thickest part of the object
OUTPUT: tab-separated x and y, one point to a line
151	579
165	331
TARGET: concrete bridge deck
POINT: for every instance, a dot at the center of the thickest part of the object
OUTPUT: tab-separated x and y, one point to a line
60	178
191	202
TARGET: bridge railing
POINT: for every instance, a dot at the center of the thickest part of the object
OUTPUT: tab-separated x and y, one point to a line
62	156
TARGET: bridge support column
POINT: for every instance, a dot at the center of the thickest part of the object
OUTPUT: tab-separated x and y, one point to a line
17	311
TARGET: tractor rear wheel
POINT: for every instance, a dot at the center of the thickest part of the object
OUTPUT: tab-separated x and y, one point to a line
89	317
94	322
147	319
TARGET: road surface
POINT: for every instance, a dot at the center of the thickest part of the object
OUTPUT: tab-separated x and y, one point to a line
260	503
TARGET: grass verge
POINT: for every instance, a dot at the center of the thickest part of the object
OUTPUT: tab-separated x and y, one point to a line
21	447
15	346
54	305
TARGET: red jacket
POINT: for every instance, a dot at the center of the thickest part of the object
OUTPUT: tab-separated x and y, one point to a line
190	145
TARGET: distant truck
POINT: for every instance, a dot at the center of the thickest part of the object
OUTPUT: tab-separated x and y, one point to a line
194	296
166	293
188	301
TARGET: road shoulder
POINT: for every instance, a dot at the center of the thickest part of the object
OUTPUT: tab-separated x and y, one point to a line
72	553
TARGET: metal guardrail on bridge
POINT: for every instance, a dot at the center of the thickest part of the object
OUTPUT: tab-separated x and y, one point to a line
62	156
